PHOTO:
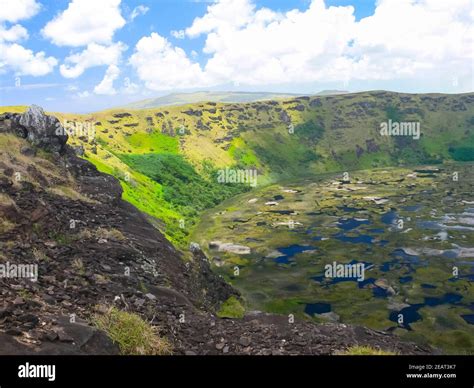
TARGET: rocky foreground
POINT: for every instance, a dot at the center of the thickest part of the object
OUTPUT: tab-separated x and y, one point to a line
93	249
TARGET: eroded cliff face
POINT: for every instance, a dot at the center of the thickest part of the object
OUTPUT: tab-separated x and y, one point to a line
65	220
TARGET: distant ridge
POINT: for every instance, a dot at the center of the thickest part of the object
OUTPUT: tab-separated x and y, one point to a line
205	96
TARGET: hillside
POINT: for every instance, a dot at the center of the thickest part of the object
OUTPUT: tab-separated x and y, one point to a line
192	98
108	282
167	158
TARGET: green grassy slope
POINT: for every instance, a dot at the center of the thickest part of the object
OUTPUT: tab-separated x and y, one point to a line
167	158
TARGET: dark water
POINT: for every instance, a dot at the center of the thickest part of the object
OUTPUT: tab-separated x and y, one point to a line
360	239
410	313
405	279
449	298
351	223
389	217
469	318
405	258
379	292
317	308
290	251
377	230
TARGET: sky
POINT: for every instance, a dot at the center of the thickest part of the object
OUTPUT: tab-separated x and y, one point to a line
88	55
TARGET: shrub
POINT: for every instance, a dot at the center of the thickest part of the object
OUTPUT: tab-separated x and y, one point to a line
133	335
231	308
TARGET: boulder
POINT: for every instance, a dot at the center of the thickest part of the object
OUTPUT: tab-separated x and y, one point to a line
42	130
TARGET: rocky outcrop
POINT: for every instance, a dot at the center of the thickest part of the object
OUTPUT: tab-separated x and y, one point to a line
41	130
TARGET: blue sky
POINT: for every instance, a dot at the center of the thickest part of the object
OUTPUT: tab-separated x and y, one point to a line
85	55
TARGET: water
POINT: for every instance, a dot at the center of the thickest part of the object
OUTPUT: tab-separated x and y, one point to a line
469	318
360	239
405	279
379	292
347	224
389	218
317	308
410	314
290	251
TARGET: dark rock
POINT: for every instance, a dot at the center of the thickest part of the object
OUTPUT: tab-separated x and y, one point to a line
79	150
244	341
28	151
43	130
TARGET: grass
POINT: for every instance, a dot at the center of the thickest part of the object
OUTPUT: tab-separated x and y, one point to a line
183	186
366	351
109	234
78	265
132	334
68	192
231	308
143	142
5	225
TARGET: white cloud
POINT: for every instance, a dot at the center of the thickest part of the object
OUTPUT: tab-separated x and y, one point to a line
138	11
24	61
250	45
14	57
106	86
85	22
162	66
416	39
13	34
224	14
15	10
130	87
93	55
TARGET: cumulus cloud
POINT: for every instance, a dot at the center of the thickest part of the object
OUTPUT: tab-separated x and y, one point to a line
13	56
85	22
106	86
162	66
13	11
13	34
24	61
93	55
250	45
415	38
224	14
